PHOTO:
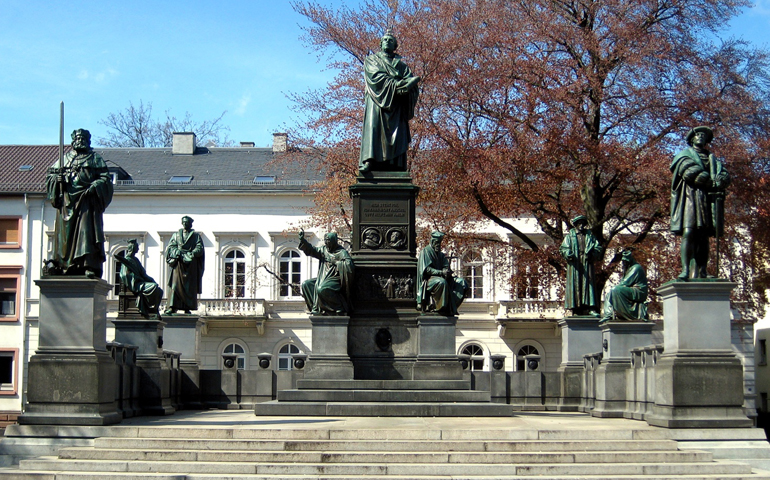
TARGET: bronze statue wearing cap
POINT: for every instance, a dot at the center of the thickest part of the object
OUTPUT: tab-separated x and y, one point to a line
697	198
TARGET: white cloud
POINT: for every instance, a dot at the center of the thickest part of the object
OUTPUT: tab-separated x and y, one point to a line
244	101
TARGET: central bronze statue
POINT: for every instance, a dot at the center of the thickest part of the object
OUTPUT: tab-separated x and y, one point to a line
391	96
697	201
80	188
328	293
438	291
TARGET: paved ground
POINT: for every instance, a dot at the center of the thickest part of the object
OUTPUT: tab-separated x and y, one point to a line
522	421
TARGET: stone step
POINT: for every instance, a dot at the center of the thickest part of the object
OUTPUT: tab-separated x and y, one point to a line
404	469
435	457
322	384
385	445
35	433
377	409
18	475
400	396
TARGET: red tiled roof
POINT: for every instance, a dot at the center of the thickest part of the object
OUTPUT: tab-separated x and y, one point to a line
40	157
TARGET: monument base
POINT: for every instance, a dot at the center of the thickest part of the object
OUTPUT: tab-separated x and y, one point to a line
699	390
618	339
329	359
579	334
68	389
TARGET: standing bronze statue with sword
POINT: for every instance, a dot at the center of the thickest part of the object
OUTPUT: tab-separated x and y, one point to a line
697	202
79	187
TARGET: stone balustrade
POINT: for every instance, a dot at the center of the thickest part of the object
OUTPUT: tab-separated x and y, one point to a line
222	307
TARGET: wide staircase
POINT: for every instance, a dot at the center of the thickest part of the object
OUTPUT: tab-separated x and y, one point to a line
397	448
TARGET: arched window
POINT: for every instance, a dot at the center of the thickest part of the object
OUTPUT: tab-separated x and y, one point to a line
235	274
476	353
291	274
473	272
526	349
285	356
237	349
116	276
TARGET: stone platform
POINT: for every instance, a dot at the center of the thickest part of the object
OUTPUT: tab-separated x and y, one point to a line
236	445
384	398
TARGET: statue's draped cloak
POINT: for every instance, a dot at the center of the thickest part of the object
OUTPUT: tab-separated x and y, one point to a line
626	300
135	278
186	279
691	206
448	295
386	136
331	290
79	240
579	290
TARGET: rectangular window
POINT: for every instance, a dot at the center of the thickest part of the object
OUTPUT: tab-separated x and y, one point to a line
8	371
762	352
10	232
9	293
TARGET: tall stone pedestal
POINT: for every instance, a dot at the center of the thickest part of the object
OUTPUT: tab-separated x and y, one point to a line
437	359
72	377
182	334
579	335
385	339
154	373
330	358
698	379
618	339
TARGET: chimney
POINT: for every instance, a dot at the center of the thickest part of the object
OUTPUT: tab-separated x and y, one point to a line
279	142
183	143
247	144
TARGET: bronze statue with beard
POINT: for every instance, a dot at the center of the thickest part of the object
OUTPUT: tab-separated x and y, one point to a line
80	189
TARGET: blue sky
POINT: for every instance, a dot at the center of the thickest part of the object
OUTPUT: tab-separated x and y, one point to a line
204	57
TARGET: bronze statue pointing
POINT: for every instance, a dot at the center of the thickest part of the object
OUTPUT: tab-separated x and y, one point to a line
391	96
80	188
697	201
330	292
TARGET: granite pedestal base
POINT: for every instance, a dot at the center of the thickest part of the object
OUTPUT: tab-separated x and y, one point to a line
579	335
698	379
72	377
154	373
182	334
330	358
618	339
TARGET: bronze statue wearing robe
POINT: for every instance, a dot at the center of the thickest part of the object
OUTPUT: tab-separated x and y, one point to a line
581	249
330	292
437	289
626	300
391	96
80	190
185	256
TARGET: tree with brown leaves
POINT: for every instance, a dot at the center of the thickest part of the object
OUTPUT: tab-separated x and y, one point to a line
546	109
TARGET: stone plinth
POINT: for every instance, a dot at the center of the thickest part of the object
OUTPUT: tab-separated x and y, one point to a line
437	359
698	379
154	373
330	358
73	380
618	339
182	334
579	336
